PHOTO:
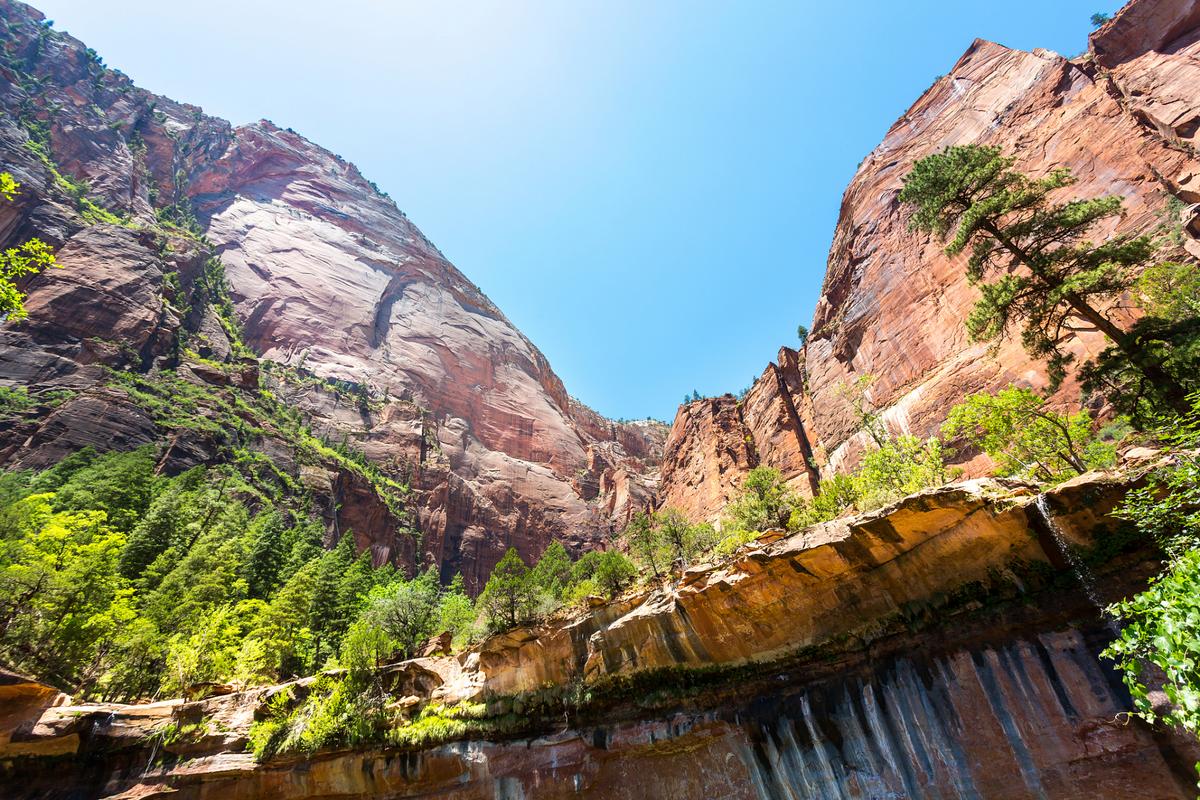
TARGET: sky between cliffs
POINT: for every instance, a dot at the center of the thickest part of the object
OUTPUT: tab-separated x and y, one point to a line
647	188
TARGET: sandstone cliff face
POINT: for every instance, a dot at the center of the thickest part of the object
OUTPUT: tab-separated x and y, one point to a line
912	652
1123	118
327	275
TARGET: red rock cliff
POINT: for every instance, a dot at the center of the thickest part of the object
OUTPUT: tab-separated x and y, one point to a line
1124	118
327	275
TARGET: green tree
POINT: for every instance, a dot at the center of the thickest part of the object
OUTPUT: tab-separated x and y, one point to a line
211	652
802	334
645	543
266	555
61	597
614	572
552	572
1024	437
509	596
1168	332
683	541
1029	256
119	484
17	262
407	611
1099	18
456	612
765	502
858	395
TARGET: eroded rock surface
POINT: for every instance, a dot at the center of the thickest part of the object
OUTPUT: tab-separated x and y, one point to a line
1123	118
328	276
906	653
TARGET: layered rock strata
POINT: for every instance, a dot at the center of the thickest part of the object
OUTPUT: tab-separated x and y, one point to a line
914	652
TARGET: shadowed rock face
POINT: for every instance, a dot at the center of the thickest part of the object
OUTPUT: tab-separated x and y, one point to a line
1124	119
328	275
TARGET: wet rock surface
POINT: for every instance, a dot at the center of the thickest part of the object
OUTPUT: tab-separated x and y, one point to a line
899	654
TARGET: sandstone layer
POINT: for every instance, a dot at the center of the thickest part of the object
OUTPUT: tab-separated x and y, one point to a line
1123	117
909	653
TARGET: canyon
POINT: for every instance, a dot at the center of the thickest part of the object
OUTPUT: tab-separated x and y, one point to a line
940	647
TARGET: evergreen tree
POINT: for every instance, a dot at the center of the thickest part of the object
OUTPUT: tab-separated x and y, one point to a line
1029	256
509	596
552	572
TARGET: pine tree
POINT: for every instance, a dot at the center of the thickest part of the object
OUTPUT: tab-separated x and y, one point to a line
509	594
1029	256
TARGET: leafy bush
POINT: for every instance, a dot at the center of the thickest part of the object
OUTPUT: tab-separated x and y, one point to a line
765	502
899	467
665	541
1161	625
1024	437
28	258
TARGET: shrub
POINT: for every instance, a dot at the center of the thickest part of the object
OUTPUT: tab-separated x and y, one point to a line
1024	437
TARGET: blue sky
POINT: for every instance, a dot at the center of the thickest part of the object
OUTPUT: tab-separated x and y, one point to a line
647	188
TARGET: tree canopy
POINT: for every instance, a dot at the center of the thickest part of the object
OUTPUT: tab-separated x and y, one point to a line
1030	256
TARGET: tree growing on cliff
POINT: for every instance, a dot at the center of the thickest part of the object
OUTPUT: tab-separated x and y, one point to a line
665	540
1024	437
1030	256
509	597
17	262
765	502
1169	330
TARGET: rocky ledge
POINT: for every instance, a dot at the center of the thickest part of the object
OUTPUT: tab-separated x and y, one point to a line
938	647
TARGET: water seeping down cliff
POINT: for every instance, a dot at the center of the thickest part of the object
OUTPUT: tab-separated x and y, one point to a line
941	647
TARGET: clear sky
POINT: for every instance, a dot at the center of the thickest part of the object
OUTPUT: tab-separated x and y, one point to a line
647	188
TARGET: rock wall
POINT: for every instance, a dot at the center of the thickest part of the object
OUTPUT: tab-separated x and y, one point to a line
327	275
1124	118
908	653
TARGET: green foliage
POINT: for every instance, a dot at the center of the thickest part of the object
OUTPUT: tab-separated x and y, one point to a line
8	187
14	400
903	465
802	334
665	541
614	571
405	611
25	259
834	496
1030	256
1099	18
61	599
765	502
1161	625
552	572
336	710
119	582
732	540
1168	333
77	190
509	598
1025	438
